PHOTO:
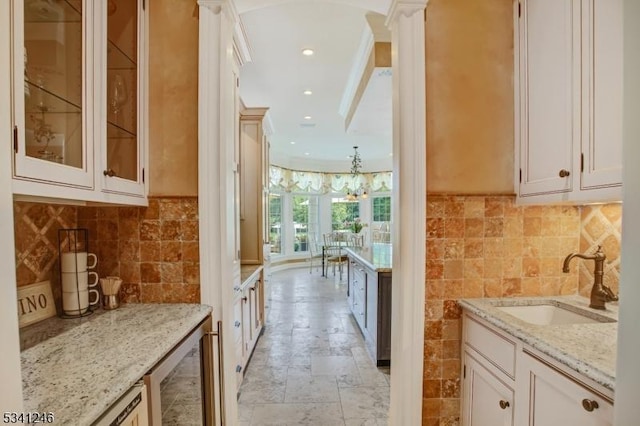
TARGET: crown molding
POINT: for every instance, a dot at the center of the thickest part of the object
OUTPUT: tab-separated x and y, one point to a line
404	8
357	70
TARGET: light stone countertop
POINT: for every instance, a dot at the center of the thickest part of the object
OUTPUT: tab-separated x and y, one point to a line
80	372
248	272
589	349
376	256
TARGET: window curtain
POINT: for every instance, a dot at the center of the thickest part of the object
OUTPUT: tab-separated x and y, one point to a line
321	183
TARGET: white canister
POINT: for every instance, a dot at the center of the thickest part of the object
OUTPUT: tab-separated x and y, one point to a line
74	281
77	261
77	302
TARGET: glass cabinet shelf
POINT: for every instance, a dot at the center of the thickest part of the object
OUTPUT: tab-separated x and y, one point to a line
42	100
52	11
115	131
117	59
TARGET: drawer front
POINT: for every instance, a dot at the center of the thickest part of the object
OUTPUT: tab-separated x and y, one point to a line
496	348
237	321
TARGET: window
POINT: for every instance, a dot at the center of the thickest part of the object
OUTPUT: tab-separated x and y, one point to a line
343	211
275	223
305	221
382	209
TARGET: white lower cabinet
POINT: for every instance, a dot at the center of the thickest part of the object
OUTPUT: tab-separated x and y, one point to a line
488	399
554	398
540	392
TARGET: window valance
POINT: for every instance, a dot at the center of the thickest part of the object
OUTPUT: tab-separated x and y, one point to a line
281	179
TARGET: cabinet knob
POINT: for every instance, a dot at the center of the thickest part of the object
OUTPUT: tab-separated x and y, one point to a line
589	404
237	324
244	299
252	289
504	404
564	173
238	368
109	172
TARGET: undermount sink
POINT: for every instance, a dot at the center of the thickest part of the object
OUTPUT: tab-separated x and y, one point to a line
548	314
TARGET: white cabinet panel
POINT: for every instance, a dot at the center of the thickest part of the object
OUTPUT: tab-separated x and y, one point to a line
487	399
556	399
568	90
602	85
548	76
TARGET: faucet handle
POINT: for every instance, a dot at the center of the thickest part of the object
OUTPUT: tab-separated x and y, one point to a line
610	296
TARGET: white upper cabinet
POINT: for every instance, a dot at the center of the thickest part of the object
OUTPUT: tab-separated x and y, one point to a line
53	109
568	94
124	97
602	88
79	100
549	75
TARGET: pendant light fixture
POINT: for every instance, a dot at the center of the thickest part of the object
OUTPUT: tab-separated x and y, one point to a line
356	165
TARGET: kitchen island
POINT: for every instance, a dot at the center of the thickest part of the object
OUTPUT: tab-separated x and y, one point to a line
369	297
84	365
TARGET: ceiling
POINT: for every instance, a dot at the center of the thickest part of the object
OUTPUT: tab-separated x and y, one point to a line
278	75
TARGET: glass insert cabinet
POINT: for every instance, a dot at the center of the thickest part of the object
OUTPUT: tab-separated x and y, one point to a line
79	97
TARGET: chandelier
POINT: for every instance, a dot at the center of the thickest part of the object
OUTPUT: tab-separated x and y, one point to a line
356	165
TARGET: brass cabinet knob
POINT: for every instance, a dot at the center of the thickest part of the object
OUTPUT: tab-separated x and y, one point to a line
589	404
504	404
109	172
564	173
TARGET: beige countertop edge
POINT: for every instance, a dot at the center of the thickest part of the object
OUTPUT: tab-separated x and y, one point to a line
79	373
377	268
588	349
249	273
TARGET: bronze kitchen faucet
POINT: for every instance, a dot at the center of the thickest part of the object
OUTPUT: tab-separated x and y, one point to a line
600	293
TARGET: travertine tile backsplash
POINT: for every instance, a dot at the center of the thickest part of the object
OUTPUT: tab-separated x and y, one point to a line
154	249
486	246
601	226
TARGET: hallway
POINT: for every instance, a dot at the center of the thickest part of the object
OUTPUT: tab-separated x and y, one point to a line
310	366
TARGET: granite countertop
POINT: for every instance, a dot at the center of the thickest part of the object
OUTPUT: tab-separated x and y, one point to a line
589	349
248	272
376	256
90	362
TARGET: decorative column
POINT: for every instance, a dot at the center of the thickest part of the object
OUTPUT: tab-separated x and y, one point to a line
217	169
406	22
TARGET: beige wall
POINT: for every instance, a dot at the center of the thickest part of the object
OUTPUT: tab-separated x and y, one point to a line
173	98
469	48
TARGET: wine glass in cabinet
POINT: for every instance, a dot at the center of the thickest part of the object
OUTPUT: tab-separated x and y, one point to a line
52	50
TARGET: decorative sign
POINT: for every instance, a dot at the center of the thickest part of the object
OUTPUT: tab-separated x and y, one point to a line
35	303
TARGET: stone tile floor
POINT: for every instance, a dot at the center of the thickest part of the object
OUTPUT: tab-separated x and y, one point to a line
310	367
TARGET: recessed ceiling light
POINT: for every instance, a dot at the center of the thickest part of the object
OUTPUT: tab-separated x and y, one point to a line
306	153
293	142
308	92
307	52
307	117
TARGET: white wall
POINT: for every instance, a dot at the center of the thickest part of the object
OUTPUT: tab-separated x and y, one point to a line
627	409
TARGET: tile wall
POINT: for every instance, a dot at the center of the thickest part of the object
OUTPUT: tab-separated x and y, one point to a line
486	246
154	249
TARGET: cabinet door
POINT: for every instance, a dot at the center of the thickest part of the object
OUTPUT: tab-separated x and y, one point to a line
549	94
371	318
556	399
486	400
53	80
124	96
602	88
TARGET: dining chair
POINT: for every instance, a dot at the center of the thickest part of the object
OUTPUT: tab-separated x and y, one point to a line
333	244
314	252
